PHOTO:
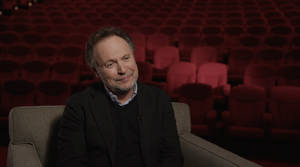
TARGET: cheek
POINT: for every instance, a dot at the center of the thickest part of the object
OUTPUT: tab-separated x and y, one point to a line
108	76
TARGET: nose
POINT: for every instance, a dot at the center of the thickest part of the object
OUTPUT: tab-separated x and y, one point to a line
121	69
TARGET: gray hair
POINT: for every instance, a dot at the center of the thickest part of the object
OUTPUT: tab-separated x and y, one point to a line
100	35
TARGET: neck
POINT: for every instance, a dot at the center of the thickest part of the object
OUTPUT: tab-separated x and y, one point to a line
122	98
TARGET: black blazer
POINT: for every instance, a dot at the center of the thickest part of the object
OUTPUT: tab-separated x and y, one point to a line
86	136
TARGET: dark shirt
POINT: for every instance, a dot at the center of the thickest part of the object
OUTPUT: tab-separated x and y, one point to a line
125	120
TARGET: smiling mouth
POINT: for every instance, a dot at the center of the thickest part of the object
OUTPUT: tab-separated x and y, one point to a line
126	78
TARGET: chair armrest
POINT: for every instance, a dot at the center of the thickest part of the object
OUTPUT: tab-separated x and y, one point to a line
267	122
22	155
199	152
211	118
226	118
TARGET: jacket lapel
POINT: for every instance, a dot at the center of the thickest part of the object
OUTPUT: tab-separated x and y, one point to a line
101	112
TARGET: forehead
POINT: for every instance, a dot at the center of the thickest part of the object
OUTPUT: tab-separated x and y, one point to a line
112	47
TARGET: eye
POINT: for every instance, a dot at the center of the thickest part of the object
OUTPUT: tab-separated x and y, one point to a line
109	65
126	58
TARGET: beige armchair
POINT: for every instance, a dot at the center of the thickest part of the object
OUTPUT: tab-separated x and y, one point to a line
32	132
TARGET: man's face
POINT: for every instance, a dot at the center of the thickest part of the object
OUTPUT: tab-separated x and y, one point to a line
116	64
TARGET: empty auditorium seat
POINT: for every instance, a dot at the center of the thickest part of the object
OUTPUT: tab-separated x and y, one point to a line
270	56
257	30
45	52
276	41
246	116
238	61
55	39
215	75
203	54
178	74
155	41
53	92
8	37
139	40
9	70
32	38
250	41
162	59
145	72
35	71
186	44
20	28
71	53
284	109
289	75
19	52
260	75
292	57
200	100
17	93
65	71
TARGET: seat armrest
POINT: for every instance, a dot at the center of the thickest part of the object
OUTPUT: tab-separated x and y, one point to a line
267	122
226	118
211	117
22	155
199	152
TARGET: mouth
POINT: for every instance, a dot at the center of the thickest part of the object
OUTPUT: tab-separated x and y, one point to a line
124	79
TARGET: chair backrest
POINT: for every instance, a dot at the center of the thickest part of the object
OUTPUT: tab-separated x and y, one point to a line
180	73
284	106
213	74
203	54
139	40
38	125
165	56
289	75
259	75
200	100
247	105
238	61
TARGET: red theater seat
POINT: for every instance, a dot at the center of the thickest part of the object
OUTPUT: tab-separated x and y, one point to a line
178	74
246	115
65	71
139	40
17	93
260	75
9	70
215	75
162	59
289	75
53	92
46	53
154	42
238	61
186	44
203	54
292	57
35	71
285	116
200	100
145	72
20	52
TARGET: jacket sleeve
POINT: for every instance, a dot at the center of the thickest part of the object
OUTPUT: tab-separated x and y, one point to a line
71	138
170	151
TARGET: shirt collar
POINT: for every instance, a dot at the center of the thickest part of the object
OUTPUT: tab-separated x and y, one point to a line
114	97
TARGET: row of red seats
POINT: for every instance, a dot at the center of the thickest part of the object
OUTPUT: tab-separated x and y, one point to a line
250	113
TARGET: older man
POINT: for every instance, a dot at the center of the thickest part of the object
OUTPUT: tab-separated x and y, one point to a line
117	122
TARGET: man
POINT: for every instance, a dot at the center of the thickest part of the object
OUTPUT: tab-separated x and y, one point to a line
117	122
